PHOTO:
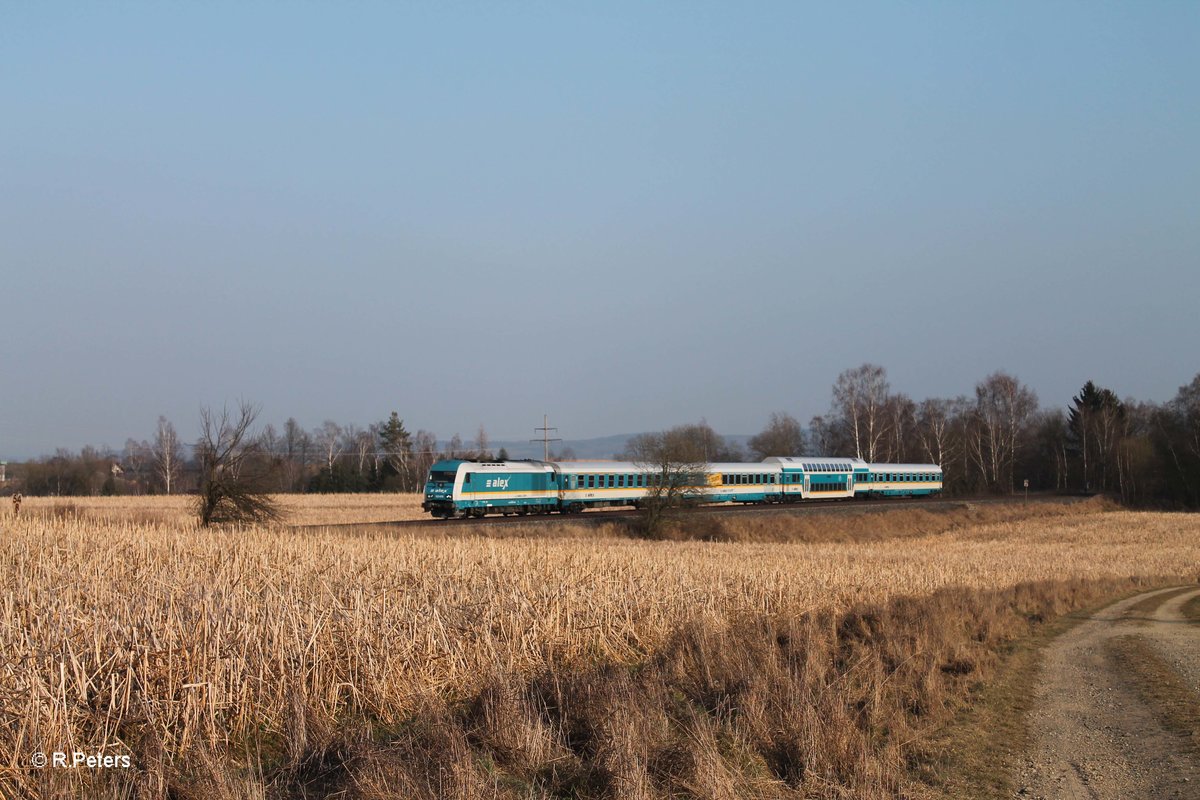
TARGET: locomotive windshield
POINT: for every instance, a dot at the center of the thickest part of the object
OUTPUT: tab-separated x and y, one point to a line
441	476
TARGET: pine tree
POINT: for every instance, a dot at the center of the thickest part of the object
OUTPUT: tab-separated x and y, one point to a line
1095	424
395	443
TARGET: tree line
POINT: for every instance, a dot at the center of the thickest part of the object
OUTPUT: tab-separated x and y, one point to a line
988	442
998	437
384	456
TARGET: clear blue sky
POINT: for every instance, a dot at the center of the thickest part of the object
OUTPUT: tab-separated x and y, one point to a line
626	215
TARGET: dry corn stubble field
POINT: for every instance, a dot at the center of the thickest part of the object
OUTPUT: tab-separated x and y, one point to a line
122	634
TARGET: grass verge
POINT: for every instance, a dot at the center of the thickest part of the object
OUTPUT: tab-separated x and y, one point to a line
1191	610
1173	702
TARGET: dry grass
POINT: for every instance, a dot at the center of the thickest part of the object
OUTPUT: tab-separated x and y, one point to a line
221	657
299	509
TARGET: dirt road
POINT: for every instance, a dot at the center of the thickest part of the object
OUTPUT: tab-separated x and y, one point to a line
1114	703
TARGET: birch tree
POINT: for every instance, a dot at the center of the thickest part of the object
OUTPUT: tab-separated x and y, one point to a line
1003	408
859	397
329	439
167	454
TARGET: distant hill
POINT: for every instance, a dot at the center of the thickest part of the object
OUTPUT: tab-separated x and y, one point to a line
603	447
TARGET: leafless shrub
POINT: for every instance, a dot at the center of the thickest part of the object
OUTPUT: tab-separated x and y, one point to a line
232	485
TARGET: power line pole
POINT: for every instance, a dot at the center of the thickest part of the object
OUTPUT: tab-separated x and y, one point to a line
546	440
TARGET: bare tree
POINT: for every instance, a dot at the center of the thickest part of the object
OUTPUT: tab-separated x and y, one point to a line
296	445
168	455
230	491
859	396
424	454
1003	409
329	438
136	458
677	473
822	435
362	444
481	443
783	436
935	428
900	413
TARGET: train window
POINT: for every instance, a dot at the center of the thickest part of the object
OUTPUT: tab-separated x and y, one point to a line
467	478
591	481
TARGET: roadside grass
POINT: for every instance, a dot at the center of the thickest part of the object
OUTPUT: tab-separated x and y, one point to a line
1160	686
1191	610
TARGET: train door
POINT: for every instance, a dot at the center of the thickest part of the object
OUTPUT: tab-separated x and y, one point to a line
850	483
806	484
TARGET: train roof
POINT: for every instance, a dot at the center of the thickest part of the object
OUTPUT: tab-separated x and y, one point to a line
599	466
900	467
511	466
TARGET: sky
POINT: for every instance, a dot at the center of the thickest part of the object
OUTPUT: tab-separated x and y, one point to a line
624	215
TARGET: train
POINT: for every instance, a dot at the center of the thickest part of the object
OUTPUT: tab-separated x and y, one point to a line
458	488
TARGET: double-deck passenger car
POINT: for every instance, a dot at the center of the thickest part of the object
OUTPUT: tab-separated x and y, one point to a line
459	488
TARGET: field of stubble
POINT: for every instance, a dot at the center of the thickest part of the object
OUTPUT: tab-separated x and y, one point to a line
249	662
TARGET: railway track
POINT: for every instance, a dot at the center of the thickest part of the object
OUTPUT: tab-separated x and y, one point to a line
827	507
